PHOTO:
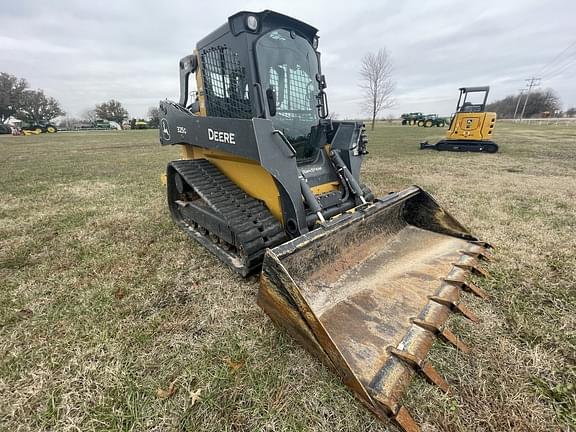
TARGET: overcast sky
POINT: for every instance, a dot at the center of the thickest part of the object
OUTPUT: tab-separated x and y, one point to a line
84	52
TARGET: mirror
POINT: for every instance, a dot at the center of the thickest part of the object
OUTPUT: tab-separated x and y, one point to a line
271	98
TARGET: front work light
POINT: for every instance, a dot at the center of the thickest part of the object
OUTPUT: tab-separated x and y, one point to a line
252	22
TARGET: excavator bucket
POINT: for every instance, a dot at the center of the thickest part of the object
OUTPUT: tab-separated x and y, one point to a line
370	291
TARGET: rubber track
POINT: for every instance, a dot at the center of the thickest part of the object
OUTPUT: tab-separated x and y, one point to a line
254	227
467	146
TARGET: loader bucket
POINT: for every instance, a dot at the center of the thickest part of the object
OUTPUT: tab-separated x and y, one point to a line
369	292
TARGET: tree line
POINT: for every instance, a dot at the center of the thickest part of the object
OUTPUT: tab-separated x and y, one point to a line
376	85
33	106
541	103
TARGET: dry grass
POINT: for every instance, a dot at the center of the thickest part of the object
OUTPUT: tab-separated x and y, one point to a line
103	302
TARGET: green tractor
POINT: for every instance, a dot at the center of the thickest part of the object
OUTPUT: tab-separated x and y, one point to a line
101	124
412	118
430	120
39	127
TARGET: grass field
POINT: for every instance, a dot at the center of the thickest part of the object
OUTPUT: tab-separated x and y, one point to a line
111	319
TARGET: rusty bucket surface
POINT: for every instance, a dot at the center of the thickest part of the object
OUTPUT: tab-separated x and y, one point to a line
370	291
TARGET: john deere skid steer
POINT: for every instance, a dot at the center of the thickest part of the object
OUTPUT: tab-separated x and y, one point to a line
268	184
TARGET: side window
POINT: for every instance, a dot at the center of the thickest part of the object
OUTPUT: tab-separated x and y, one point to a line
225	84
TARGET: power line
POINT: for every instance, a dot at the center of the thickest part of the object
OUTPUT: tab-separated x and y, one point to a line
561	67
558	56
533	82
560	63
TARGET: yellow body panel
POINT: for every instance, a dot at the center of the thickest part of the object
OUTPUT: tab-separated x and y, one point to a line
472	126
246	174
325	188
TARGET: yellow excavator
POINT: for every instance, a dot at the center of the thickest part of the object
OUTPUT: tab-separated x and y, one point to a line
269	184
471	126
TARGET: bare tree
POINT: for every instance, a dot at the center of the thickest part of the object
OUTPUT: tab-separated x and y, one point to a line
69	122
154	117
89	115
376	83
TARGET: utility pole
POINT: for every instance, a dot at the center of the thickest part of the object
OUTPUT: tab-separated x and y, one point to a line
532	82
522	90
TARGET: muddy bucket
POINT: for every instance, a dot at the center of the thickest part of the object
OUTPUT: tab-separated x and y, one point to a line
369	292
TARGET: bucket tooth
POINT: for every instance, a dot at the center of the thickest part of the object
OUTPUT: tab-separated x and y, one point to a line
469	287
474	289
423	367
445	333
483	244
450	337
480	253
456	306
473	268
396	413
404	420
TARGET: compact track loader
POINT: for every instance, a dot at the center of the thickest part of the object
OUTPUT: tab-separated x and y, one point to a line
471	126
268	184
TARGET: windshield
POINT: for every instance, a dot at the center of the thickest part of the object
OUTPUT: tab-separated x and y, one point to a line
288	64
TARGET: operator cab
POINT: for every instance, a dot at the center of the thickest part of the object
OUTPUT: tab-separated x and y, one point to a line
262	65
472	99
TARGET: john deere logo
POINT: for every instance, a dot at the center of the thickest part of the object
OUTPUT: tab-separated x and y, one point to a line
469	123
164	129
